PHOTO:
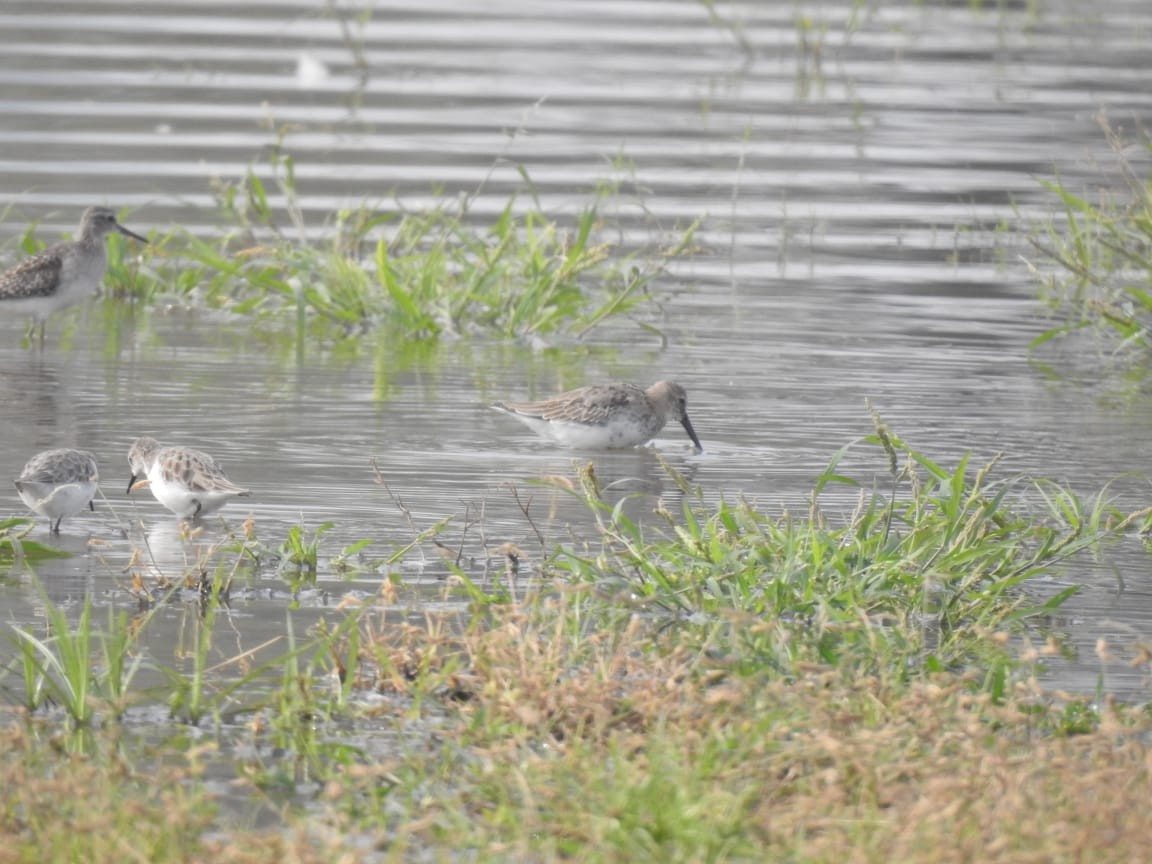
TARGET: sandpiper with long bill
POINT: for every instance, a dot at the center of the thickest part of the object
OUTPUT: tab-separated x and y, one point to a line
61	275
606	416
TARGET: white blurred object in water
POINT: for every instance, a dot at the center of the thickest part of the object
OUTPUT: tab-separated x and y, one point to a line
311	71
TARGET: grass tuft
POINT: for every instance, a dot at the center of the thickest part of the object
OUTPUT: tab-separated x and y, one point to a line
425	274
1094	262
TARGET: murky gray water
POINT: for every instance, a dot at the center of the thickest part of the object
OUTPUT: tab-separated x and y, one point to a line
853	175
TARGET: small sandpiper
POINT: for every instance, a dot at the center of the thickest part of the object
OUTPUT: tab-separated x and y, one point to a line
188	482
58	483
63	274
605	416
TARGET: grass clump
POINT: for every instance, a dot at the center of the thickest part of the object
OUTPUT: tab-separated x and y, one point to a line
1098	257
908	583
426	273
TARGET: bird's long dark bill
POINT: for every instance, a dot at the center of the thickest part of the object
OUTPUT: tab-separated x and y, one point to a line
131	483
692	433
131	234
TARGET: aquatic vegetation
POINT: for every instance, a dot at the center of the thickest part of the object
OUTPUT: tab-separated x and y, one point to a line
1094	262
425	273
300	556
909	583
76	667
14	542
188	696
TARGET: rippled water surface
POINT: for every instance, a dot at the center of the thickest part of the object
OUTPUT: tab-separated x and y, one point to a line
863	177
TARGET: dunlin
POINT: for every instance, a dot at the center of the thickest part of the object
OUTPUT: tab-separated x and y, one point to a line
58	483
63	274
605	415
186	481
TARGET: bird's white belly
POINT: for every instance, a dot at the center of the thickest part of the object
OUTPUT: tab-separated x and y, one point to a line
585	436
181	500
56	502
80	279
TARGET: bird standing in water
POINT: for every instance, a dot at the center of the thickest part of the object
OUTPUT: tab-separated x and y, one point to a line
606	416
61	275
58	483
188	482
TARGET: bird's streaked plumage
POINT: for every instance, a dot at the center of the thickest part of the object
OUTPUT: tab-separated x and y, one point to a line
188	482
63	274
606	416
58	483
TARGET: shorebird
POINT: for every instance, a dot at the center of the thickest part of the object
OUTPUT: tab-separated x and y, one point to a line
188	482
604	416
58	483
63	274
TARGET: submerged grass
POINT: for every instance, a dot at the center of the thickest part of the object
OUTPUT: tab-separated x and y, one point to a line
710	683
15	545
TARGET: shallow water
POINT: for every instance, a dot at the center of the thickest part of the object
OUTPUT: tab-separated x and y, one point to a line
853	179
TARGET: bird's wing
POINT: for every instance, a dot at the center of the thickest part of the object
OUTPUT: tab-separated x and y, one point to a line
37	276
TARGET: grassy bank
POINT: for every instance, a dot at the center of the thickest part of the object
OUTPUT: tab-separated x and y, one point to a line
712	682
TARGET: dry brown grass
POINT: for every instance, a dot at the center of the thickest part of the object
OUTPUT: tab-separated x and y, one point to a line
944	776
77	798
546	739
606	748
